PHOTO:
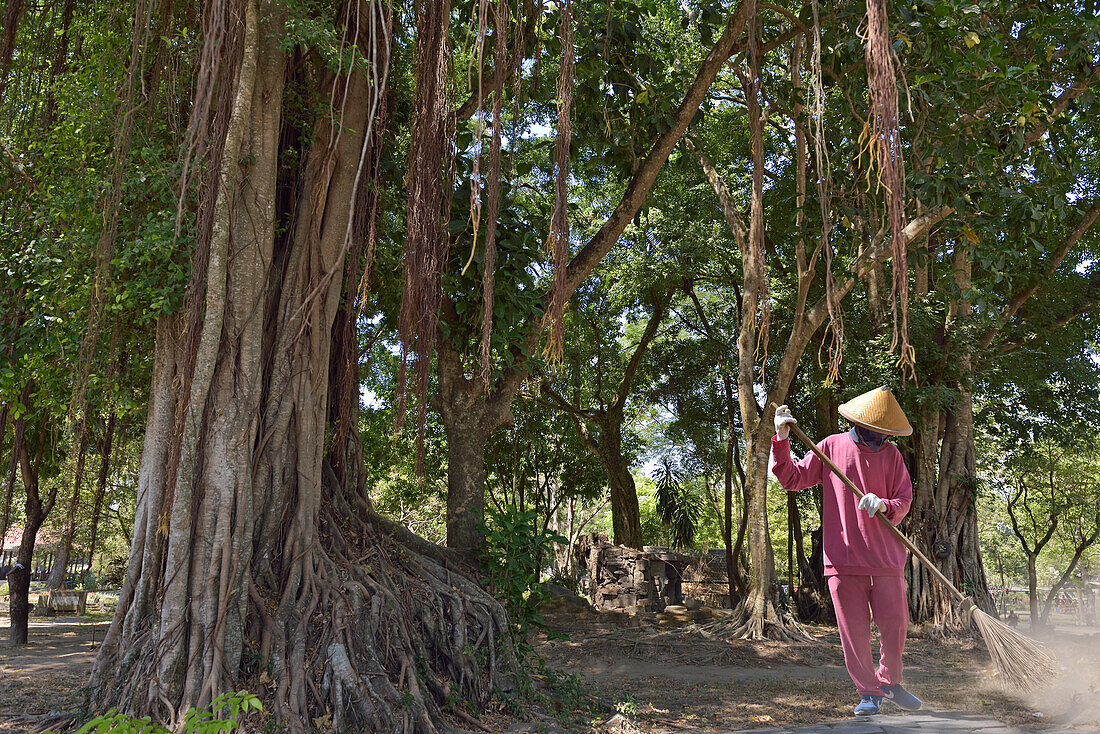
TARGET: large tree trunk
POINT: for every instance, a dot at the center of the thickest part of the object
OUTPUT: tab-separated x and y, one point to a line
466	441
626	520
251	561
462	410
943	519
468	416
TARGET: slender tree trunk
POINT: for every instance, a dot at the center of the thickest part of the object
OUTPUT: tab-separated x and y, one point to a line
13	11
9	484
4	409
17	441
56	579
20	577
813	600
740	557
101	484
60	61
793	521
733	578
876	292
1033	590
36	512
606	445
1083	543
19	581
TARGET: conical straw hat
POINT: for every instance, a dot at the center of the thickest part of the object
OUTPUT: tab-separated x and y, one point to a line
877	410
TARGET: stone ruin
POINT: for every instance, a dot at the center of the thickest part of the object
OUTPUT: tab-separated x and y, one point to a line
621	579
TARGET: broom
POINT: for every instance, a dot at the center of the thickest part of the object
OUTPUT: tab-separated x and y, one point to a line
1018	660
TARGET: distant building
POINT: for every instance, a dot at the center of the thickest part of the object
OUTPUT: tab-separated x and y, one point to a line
45	549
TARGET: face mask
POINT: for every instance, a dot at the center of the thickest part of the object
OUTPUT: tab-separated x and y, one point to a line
870	439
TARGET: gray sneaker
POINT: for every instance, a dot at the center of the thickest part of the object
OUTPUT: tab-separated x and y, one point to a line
901	697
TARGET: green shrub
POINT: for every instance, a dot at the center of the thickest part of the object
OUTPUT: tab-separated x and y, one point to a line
515	546
195	721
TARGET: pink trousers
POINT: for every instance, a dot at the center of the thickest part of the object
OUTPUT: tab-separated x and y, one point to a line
855	599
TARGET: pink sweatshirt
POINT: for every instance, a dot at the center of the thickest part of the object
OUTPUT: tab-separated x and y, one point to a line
854	544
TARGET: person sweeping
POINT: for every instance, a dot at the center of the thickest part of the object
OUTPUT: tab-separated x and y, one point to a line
864	562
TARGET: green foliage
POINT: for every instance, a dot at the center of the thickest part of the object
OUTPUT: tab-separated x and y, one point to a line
628	706
196	721
515	549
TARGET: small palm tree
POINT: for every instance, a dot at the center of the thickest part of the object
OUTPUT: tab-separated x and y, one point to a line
677	508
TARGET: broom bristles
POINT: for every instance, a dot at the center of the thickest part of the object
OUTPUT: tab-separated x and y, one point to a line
1020	661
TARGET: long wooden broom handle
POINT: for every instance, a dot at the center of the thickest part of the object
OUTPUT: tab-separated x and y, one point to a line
897	533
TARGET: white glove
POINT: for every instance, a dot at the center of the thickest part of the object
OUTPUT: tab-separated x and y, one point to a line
871	504
783	422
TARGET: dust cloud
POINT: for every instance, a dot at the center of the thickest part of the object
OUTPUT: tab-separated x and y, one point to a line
1073	699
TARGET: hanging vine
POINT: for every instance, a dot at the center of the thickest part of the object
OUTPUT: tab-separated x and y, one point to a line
426	239
559	220
823	183
885	149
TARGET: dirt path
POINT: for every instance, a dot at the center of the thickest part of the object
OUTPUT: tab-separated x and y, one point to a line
49	674
689	684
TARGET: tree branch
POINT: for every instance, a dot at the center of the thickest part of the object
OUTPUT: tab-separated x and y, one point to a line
1089	304
586	260
576	415
559	401
1056	259
659	308
638	189
1015	524
1060	104
725	199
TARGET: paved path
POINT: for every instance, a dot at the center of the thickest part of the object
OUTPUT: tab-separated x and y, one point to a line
923	722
